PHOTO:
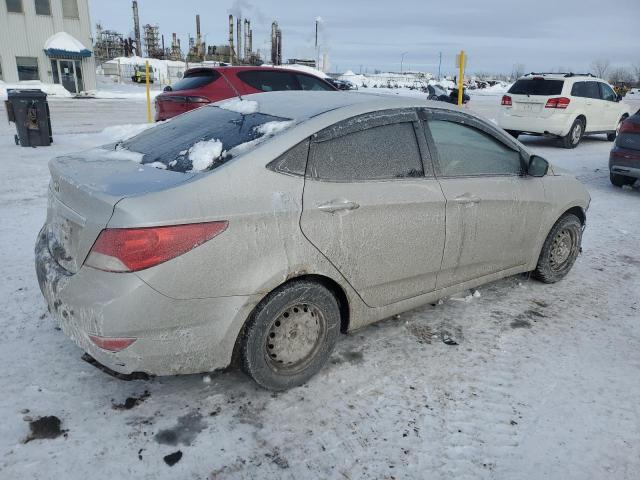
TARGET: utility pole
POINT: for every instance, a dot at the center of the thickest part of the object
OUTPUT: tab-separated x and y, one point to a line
402	60
439	66
317	49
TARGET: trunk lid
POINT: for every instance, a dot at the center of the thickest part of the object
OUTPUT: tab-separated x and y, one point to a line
82	194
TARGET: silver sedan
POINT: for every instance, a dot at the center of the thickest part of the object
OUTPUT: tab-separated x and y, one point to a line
258	229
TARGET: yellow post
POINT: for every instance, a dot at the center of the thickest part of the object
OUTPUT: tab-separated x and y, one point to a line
149	118
461	77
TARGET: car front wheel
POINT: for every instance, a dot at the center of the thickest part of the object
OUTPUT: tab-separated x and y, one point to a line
572	139
290	335
560	249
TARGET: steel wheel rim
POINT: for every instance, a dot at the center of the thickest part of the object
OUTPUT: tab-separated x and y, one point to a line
562	249
295	337
577	133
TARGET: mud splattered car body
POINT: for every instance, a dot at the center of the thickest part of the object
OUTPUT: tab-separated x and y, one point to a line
367	196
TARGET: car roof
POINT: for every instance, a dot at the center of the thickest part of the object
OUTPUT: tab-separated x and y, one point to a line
560	76
300	105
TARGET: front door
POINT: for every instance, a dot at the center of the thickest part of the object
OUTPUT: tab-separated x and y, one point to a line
371	210
494	212
67	73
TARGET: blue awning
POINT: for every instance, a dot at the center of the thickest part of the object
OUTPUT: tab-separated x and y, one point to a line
57	53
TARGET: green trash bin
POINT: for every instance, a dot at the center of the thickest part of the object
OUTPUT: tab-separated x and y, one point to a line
29	110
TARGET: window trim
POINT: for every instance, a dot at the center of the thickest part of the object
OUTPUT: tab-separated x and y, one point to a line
35	7
65	15
402	115
468	120
21	12
37	67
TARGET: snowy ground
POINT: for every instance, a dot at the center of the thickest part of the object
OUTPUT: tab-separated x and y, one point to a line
542	384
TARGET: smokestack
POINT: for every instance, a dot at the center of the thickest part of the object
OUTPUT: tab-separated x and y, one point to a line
250	42
239	37
247	30
231	51
136	28
199	51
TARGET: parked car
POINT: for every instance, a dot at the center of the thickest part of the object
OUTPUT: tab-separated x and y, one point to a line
342	84
203	85
633	93
440	94
624	160
563	105
265	234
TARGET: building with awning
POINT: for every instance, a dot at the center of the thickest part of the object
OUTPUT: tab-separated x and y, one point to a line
47	41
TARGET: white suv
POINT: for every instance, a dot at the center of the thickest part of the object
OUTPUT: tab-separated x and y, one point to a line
564	105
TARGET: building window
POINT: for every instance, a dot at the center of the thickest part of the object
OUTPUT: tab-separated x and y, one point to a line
70	9
43	7
27	68
14	6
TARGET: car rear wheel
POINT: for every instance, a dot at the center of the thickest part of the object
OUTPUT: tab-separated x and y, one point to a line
560	249
572	139
612	136
513	133
290	335
621	180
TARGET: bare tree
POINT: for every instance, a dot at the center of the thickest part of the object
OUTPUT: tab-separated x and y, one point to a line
600	67
621	75
517	71
636	70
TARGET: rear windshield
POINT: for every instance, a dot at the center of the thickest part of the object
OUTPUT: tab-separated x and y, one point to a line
195	80
537	86
202	139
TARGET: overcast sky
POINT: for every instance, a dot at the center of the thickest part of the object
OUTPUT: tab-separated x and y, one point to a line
368	34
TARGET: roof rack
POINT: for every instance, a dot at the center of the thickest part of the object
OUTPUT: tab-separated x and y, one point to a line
566	74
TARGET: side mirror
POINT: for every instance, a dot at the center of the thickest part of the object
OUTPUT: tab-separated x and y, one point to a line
167	88
538	166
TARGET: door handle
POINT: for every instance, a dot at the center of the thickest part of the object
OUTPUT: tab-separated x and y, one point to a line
337	205
466	198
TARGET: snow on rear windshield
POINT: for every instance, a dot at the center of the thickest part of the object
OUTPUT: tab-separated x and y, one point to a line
202	139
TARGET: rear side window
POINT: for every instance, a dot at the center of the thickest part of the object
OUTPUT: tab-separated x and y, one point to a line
467	151
293	161
537	86
384	152
307	82
195	80
267	81
579	89
202	140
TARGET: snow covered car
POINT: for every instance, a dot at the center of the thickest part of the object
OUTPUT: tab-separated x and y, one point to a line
259	229
564	105
624	159
438	93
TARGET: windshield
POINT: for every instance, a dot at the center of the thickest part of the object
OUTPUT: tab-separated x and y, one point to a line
537	86
202	139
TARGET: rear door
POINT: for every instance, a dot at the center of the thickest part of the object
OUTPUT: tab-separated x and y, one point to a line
493	212
373	207
582	101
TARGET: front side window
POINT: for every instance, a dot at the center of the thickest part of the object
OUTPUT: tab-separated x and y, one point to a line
43	7
70	9
607	93
27	68
307	82
267	81
377	153
14	6
467	151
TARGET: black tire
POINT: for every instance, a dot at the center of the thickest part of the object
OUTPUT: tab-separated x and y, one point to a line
572	139
621	180
269	352
514	133
613	135
560	249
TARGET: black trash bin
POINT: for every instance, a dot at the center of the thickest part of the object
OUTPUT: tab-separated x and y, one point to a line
30	112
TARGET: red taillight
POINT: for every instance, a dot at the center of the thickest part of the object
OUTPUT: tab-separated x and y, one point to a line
629	127
133	249
559	102
506	100
198	100
111	343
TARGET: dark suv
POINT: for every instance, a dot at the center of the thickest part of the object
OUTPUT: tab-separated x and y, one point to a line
624	160
203	85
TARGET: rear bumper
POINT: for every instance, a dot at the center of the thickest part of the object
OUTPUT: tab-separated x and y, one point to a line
557	124
172	336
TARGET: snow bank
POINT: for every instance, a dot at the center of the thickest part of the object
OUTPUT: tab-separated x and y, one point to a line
244	107
64	41
51	89
303	68
204	153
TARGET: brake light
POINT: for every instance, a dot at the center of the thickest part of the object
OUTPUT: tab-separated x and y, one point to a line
506	100
110	343
558	102
629	127
198	100
133	249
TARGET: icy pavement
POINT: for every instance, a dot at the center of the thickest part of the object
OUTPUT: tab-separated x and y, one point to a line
524	381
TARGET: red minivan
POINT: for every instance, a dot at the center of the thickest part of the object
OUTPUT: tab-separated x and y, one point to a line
203	85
